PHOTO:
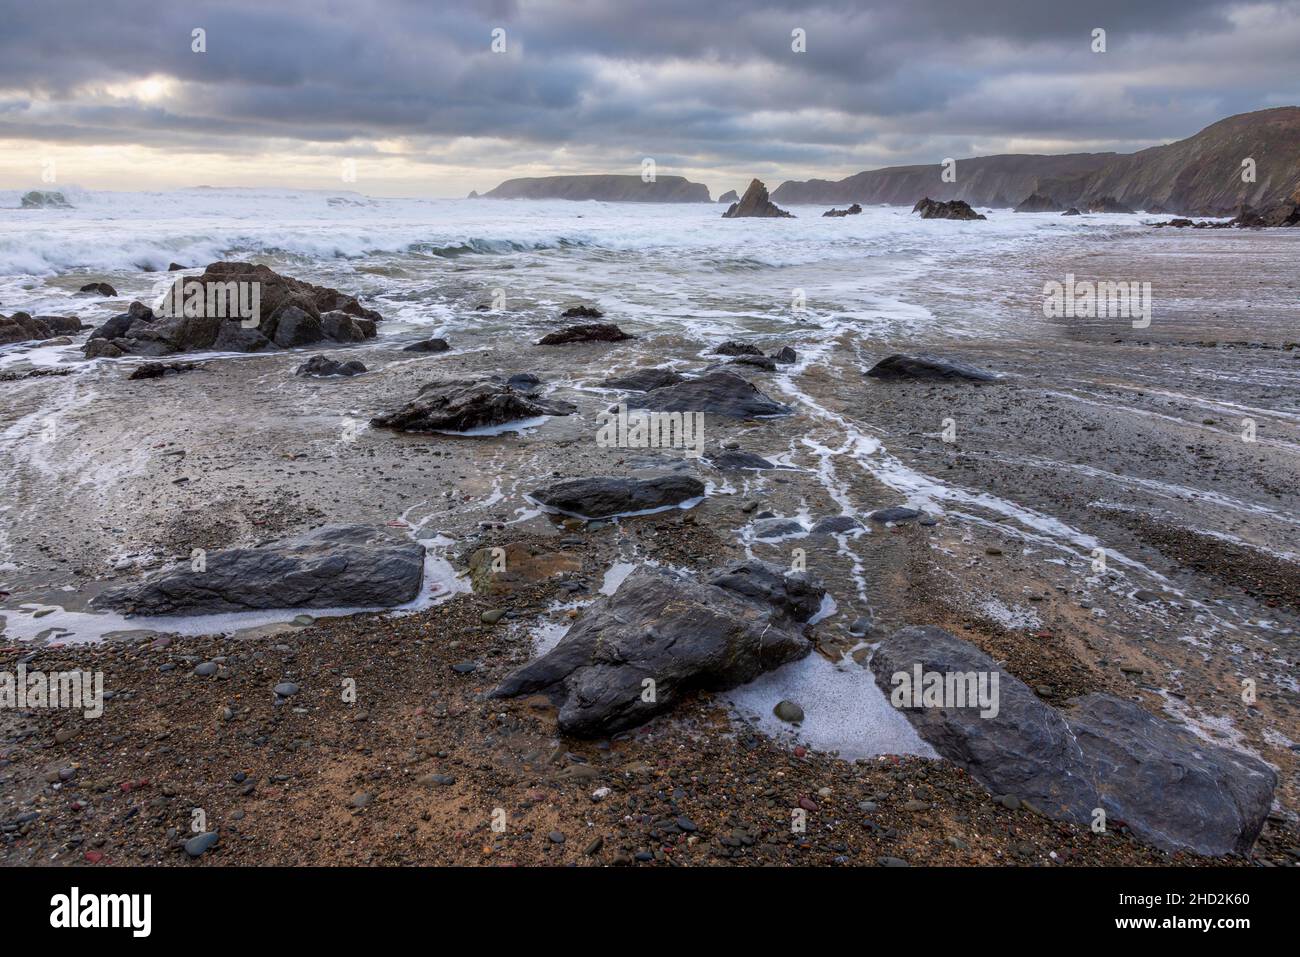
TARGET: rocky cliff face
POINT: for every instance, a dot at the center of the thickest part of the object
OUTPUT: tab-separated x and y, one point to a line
606	188
1201	175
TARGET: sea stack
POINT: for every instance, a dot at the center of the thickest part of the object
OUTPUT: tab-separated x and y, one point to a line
755	203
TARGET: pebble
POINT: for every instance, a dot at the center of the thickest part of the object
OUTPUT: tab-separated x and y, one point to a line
556	837
196	845
788	711
206	668
361	799
286	689
493	616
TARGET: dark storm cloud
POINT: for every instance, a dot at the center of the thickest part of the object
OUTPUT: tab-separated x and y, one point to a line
702	83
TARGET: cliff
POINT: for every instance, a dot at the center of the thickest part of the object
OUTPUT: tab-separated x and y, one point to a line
605	187
1200	175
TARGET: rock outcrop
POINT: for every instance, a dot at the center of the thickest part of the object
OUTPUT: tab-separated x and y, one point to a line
44	199
459	405
1167	786
928	369
643	380
853	210
1038	203
605	496
715	393
1107	204
607	188
337	566
427	345
205	313
678	634
755	203
729	197
24	327
954	209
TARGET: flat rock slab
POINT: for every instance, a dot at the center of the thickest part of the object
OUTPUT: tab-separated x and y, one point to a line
323	366
928	369
604	496
458	405
734	460
1169	787
717	393
427	345
679	634
643	380
337	566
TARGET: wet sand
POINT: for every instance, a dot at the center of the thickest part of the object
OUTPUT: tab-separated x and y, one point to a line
1103	436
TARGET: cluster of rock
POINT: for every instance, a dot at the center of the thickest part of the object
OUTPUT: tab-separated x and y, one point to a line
160	370
292	313
747	354
24	327
459	405
674	632
320	367
1169	787
853	210
756	203
337	566
1279	214
953	209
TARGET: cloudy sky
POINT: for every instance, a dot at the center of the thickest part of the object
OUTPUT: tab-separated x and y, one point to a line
413	97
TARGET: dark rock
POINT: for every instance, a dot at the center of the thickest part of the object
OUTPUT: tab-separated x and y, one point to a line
294	327
954	209
321	366
524	382
581	312
1038	203
770	528
785	356
1279	214
44	199
98	289
333	566
788	711
758	362
895	514
835	525
678	633
717	393
234	337
458	405
427	345
643	380
23	327
733	348
928	369
176	267
603	497
851	211
200	843
1072	211
730	196
587	332
338	326
157	370
731	460
755	203
1169	787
